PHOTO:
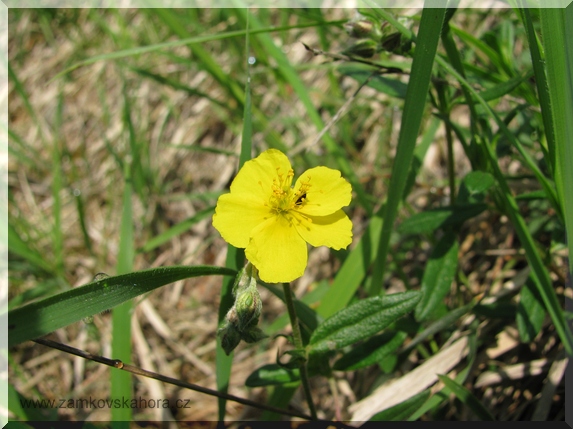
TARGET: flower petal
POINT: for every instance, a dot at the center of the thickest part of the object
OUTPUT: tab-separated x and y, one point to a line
334	230
277	250
236	215
326	191
257	175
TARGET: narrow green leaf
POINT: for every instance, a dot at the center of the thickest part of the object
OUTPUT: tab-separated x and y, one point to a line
438	276
371	351
557	32
42	317
467	397
430	220
566	144
272	374
121	381
57	184
361	320
114	55
553	37
181	87
403	410
537	63
418	86
530	312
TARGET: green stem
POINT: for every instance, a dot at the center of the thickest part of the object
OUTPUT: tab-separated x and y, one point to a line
445	112
298	345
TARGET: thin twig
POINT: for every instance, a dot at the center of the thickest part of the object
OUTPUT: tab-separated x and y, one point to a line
116	363
341	57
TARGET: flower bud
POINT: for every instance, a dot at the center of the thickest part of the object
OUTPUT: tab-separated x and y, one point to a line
365	48
362	28
246	278
248	306
253	335
230	338
395	43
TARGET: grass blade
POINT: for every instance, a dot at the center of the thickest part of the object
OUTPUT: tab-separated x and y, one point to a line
121	382
402	411
557	29
418	86
466	397
438	276
42	317
57	185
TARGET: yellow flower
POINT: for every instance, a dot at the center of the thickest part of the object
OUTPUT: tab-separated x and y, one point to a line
273	221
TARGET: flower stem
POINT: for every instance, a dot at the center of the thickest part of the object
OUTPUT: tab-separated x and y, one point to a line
298	344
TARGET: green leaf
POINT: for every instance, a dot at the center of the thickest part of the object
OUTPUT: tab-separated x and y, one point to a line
428	221
557	32
478	182
272	374
466	397
530	312
371	351
42	317
361	320
403	410
438	276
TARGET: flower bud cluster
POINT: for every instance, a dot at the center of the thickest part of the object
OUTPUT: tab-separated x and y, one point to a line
242	319
374	37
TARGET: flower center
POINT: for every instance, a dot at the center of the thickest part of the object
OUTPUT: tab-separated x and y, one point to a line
284	198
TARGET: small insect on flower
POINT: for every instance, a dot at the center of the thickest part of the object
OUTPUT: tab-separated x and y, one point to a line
273	220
